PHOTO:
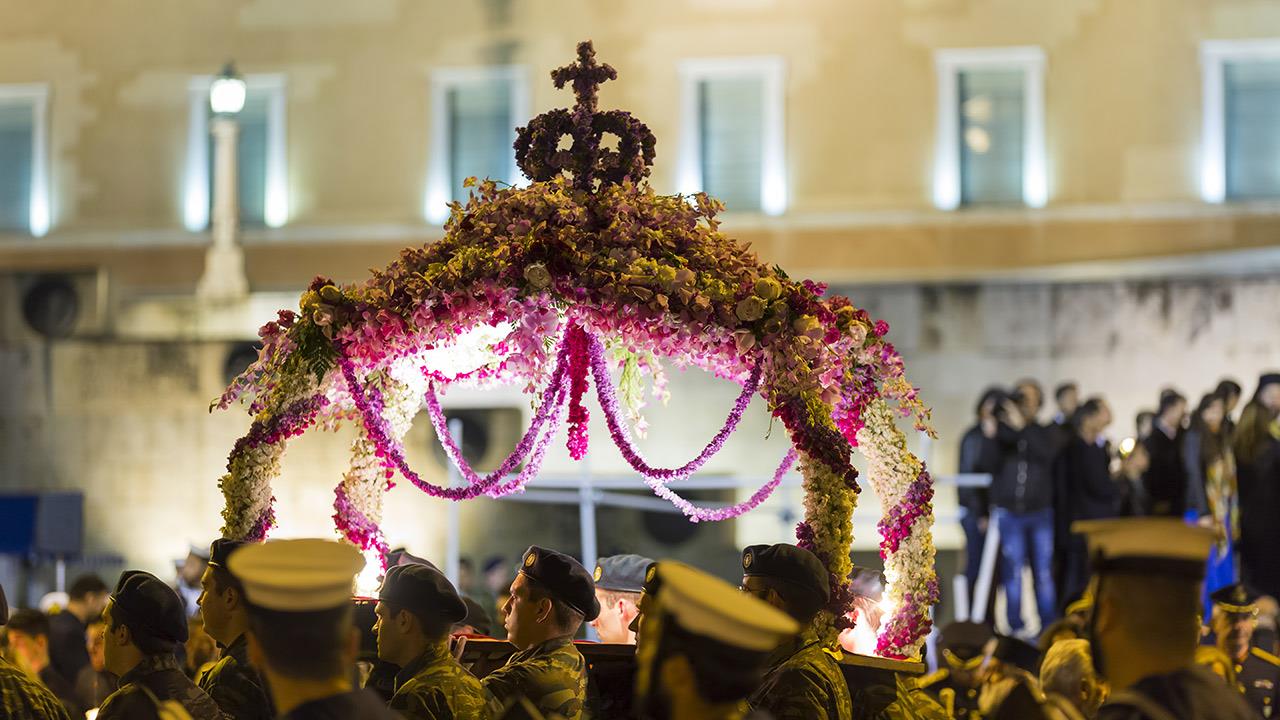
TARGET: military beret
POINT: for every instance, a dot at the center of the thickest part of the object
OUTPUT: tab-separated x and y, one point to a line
221	549
1236	598
1270	378
477	617
623	573
1019	653
964	640
422	590
564	578
709	608
790	564
149	607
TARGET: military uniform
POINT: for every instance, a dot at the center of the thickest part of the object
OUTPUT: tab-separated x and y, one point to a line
1258	677
236	686
22	698
435	687
1193	693
153	682
803	682
961	699
552	676
361	704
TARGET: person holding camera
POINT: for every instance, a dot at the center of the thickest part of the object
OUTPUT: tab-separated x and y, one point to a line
1022	503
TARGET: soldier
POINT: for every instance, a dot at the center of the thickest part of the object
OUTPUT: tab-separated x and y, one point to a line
417	607
551	597
21	697
648	591
300	630
232	683
804	678
705	649
1235	615
145	623
619	579
1145	622
957	683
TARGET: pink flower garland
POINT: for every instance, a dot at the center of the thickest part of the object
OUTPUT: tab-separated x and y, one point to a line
360	530
577	342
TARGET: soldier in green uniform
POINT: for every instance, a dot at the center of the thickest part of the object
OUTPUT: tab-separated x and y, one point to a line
1146	621
551	597
804	678
1235	616
301	633
21	697
957	682
705	647
232	683
145	623
417	607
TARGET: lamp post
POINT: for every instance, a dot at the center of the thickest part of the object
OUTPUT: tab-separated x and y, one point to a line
224	277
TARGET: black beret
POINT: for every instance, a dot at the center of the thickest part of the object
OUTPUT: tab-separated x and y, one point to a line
790	564
1019	653
400	556
564	578
1268	379
623	573
1236	598
221	549
422	590
149	607
965	640
477	617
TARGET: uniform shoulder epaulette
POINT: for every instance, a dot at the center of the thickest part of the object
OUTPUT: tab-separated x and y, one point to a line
933	678
1259	652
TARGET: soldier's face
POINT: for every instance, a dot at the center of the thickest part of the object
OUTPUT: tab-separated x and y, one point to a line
1234	629
523	615
213	608
388	642
614	621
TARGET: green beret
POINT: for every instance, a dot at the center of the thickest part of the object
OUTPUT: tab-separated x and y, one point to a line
424	591
221	549
149	607
622	573
564	578
790	564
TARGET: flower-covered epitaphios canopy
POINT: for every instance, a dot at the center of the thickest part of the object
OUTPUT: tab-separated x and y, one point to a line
584	272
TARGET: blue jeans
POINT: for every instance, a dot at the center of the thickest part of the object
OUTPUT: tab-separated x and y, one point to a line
1027	538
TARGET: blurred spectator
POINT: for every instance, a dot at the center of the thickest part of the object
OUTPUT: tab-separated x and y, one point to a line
28	632
190	570
1230	391
1211	486
1082	470
94	683
1067	676
1257	451
201	650
477	622
1166	479
1067	397
1132	500
67	652
1022	498
980	454
1142	424
497	581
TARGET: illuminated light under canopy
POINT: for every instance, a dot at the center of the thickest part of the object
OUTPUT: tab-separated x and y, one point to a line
227	93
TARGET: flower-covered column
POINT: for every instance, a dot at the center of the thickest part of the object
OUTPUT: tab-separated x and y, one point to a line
906	538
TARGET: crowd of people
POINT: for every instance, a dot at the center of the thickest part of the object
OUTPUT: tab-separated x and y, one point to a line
1196	462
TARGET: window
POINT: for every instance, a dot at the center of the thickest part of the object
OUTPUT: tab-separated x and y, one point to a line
24	200
990	128
260	155
732	144
475	112
1241	140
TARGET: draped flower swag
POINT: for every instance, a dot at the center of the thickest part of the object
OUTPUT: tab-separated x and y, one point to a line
583	272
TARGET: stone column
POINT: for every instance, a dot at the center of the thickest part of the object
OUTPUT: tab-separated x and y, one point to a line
224	277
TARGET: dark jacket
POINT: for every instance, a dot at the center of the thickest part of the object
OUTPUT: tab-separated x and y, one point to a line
157	678
68	650
1090	493
1166	479
1025	481
978	454
1193	693
236	686
354	705
22	698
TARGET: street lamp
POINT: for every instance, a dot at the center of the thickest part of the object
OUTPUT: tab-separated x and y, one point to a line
224	277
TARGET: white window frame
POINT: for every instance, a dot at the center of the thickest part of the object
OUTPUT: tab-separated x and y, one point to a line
772	70
1214	56
39	212
196	192
949	64
435	208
